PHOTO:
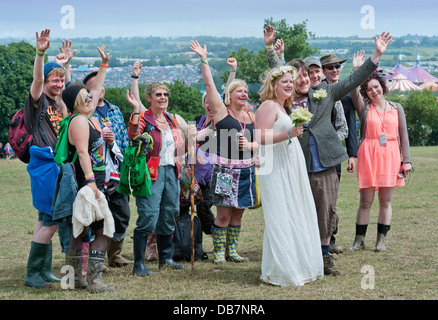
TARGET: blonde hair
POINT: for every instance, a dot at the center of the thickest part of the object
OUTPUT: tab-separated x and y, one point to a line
268	90
154	86
231	87
80	106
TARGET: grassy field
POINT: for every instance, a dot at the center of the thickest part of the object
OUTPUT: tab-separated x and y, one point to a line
407	271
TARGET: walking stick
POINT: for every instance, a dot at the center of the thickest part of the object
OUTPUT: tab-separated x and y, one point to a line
192	202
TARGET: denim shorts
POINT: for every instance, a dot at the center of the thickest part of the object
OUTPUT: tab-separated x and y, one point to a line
46	219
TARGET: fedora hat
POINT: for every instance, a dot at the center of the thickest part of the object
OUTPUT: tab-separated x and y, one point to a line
331	58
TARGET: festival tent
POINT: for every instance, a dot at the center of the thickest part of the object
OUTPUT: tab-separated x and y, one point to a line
418	75
398	69
432	86
402	83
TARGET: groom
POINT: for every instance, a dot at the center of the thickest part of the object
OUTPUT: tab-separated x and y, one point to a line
322	149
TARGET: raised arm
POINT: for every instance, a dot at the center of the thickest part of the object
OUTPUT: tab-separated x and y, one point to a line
214	99
97	86
269	37
42	44
134	85
380	45
232	62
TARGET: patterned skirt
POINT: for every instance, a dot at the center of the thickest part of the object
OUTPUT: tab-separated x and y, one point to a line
233	187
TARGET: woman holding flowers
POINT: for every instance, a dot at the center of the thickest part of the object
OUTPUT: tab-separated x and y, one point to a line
233	178
291	244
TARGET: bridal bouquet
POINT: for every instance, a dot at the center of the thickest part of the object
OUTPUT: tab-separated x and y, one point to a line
300	115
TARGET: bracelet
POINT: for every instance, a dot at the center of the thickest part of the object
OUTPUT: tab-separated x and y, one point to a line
204	60
136	113
270	47
90	181
40	53
104	65
134	77
232	70
89	176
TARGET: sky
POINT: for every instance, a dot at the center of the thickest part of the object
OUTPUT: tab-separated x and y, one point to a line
229	18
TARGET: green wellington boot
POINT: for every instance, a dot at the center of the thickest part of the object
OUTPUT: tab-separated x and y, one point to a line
35	265
47	269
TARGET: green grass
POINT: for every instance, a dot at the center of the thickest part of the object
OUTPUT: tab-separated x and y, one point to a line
407	271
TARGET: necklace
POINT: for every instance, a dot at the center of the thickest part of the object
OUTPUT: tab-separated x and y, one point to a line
160	121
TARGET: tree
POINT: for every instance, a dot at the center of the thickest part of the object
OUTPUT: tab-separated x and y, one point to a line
252	65
16	75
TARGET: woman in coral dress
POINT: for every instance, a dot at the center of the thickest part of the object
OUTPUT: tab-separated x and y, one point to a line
379	168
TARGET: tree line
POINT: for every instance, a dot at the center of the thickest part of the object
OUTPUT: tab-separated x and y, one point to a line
16	73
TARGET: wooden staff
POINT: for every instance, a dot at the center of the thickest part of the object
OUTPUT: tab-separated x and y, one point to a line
192	201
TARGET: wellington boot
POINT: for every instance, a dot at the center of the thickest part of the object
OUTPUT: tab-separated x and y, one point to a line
219	238
139	269
115	259
35	265
164	246
47	269
94	273
74	259
233	233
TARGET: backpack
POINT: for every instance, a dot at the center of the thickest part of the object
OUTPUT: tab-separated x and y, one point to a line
134	173
20	139
182	243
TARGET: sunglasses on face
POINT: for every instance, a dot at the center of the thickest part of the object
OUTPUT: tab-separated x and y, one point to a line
337	66
89	97
159	94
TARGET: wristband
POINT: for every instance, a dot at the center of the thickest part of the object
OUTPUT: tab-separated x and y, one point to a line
204	60
104	65
134	77
40	53
270	47
136	113
233	70
89	176
90	181
288	136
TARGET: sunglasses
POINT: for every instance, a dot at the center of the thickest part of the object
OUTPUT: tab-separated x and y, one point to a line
159	94
89	97
337	66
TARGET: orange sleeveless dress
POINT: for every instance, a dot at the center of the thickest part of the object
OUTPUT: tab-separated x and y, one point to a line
378	166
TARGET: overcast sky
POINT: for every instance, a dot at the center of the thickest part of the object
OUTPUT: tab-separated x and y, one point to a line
235	18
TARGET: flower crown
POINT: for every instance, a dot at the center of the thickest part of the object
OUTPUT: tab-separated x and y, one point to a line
283	70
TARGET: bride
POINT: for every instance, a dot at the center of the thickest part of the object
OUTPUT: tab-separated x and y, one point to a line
291	245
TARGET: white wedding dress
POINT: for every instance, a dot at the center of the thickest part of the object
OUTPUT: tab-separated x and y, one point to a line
291	245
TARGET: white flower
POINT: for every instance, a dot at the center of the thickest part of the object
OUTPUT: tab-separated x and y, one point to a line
283	70
319	94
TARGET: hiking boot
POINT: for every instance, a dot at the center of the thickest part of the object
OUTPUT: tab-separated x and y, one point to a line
358	243
380	243
330	268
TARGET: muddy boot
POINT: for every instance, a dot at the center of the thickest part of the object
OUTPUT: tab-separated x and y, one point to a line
94	273
219	238
74	259
233	233
382	229
35	265
115	259
330	268
359	240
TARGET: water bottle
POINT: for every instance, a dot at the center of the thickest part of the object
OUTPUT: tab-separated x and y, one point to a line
106	128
